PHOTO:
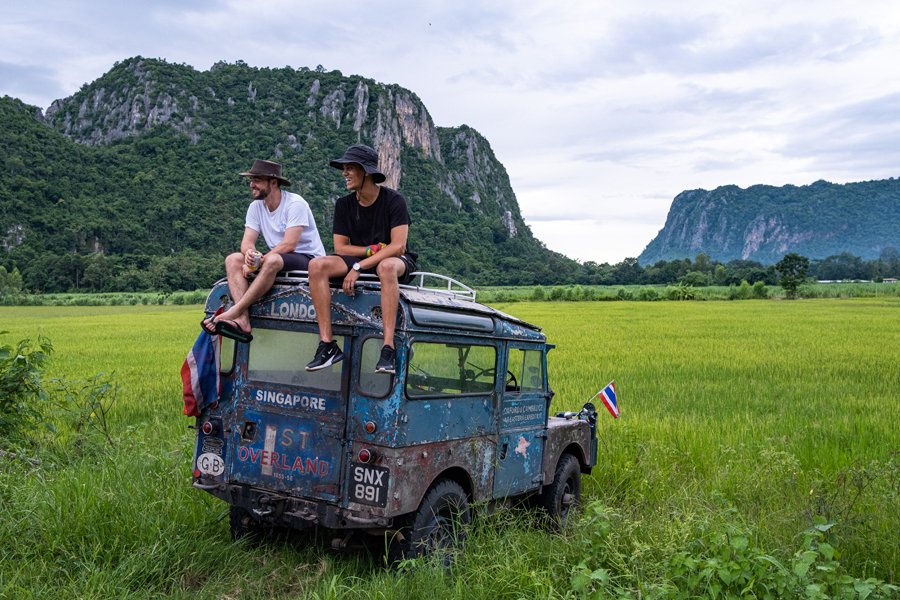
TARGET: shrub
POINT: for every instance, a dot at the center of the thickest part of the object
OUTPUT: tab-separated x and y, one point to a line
681	292
648	294
760	290
21	391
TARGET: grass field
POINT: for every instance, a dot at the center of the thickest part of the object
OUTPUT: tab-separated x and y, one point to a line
743	424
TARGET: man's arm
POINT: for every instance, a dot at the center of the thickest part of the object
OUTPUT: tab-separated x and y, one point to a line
248	242
289	243
343	247
396	248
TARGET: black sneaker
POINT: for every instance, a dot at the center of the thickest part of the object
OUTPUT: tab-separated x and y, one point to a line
327	354
386	362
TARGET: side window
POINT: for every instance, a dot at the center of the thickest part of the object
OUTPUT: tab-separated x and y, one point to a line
437	369
532	372
376	385
525	371
226	354
278	356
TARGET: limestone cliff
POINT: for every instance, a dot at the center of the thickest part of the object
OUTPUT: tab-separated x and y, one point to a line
146	163
140	94
763	223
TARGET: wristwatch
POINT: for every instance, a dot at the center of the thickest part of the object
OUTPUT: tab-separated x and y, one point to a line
357	267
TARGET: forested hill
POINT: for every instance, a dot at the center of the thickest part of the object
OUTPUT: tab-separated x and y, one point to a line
132	183
763	223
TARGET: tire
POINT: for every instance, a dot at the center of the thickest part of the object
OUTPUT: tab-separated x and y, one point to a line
561	498
437	528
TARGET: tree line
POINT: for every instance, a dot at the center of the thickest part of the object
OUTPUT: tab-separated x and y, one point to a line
189	270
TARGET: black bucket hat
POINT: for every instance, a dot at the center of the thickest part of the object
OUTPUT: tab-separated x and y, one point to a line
364	156
266	168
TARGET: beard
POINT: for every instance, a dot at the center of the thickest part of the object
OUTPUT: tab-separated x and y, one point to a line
261	193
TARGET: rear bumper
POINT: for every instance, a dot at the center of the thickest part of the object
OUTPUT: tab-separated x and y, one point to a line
289	511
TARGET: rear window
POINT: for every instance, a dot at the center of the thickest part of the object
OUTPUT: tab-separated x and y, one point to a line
280	357
450	370
375	385
226	355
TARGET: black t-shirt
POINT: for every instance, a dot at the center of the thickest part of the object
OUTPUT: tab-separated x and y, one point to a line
366	225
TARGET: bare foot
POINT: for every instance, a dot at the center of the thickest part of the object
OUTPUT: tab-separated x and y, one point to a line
241	319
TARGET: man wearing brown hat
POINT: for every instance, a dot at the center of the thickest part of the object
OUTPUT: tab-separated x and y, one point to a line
371	226
289	229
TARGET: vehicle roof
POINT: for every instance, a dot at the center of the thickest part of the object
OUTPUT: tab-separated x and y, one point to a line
426	308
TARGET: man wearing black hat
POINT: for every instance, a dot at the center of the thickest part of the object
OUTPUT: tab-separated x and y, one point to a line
289	229
371	225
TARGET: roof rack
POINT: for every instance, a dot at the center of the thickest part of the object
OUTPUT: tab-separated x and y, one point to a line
421	281
453	287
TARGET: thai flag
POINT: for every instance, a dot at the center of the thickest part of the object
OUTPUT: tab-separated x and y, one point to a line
608	396
200	374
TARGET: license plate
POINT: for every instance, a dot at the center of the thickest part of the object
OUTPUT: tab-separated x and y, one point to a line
369	484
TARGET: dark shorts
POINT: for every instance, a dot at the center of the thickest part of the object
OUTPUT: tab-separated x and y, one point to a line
408	259
296	262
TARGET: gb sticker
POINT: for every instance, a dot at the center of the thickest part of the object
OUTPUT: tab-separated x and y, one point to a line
210	464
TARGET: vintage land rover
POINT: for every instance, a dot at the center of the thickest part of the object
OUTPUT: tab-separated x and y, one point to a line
464	421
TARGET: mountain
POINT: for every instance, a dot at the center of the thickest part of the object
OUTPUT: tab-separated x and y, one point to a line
763	223
133	182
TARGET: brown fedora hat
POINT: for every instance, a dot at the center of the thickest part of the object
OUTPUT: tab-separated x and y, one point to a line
266	168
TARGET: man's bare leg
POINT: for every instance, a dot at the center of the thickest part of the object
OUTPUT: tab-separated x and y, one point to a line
321	270
237	282
389	272
265	277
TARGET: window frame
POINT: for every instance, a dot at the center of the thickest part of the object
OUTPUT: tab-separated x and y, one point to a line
357	370
311	331
481	343
524	349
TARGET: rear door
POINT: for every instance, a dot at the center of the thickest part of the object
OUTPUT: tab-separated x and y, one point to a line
288	432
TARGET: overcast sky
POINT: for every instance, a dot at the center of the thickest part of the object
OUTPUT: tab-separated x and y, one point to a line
601	111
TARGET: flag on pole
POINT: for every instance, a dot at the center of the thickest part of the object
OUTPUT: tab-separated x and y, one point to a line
608	396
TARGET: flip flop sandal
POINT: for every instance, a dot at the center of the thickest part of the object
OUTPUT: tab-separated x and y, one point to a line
231	330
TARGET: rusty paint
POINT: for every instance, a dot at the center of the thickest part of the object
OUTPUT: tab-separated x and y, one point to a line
292	454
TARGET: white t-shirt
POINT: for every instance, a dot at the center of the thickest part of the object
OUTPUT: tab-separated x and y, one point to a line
293	211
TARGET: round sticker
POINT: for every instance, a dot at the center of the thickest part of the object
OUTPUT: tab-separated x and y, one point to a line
210	464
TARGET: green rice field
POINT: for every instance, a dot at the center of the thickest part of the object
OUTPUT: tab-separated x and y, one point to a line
757	455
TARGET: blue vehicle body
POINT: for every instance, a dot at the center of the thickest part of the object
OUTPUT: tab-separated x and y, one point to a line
347	448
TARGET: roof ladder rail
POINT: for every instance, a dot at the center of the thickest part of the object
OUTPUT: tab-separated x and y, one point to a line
422	281
453	287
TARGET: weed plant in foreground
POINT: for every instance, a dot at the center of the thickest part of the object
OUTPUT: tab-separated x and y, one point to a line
756	455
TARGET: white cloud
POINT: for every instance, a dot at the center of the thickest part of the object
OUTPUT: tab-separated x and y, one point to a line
601	111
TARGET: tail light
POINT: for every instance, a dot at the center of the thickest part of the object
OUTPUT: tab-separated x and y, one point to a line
209	428
364	455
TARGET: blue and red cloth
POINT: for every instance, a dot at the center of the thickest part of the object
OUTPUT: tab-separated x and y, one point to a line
200	374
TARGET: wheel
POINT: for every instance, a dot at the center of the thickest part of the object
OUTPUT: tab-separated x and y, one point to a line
562	496
437	527
244	526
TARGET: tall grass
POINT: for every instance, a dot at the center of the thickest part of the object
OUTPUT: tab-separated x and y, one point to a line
743	424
